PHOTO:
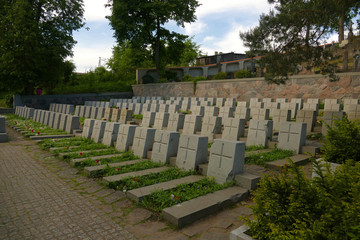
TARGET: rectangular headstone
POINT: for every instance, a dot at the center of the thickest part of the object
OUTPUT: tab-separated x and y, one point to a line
161	120
70	109
88	128
72	124
143	141
115	115
243	113
242	104
81	111
226	112
332	107
110	133
176	122
282	100
230	102
174	108
272	106
154	107
226	160
125	116
63	121
98	131
51	119
329	119
234	128
292	136
210	127
259	132
163	108
211	111
46	117
220	102
77	110
94	112
260	113
100	113
148	119
351	101
267	100
57	119
108	113
313	100
125	137
280	116
138	108
299	101
353	111
293	107
197	110
308	117
193	150
254	102
192	124
165	146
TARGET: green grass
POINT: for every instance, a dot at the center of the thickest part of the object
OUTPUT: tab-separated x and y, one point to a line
255	148
161	199
90	154
263	158
127	156
32	128
82	147
150	179
137	116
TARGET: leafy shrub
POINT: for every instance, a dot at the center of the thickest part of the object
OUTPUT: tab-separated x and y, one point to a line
220	75
342	141
291	206
200	78
242	74
163	80
187	78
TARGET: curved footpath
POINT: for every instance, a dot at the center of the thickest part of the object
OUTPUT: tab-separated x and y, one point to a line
42	197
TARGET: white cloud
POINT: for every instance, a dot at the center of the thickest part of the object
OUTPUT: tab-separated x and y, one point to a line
95	10
87	59
208	38
195	28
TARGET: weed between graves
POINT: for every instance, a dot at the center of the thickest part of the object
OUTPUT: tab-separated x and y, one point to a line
161	199
262	158
127	156
33	128
110	171
89	154
316	136
255	148
130	183
137	116
76	141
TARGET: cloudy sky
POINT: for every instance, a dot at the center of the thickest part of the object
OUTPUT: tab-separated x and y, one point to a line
216	29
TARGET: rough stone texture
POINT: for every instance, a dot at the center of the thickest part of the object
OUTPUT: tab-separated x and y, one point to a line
125	137
226	159
193	150
234	128
329	118
165	146
260	131
301	86
292	136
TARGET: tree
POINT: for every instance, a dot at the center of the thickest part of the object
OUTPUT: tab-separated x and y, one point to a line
292	34
35	39
141	22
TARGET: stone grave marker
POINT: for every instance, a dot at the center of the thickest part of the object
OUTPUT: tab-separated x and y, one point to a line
272	106
230	102
164	108
292	106
243	113
197	110
125	116
280	116
281	100
166	145
115	116
226	112
57	119
94	112
260	131
110	133
63	121
308	117
98	131
353	111
77	110
108	113
100	113
192	124
220	102
260	113
161	120
329	118
176	122
88	128
148	119
254	103
210	127
193	150
234	128
174	108
211	111
267	100
46	117
72	124
292	136
125	137
143	141
226	160
242	104
81	111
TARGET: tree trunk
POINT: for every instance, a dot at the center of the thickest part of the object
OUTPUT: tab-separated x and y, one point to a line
157	50
341	28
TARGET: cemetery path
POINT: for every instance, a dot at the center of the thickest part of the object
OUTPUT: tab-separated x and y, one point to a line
37	203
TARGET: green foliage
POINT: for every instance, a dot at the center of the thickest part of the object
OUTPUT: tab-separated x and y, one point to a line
187	78
342	141
161	199
263	158
242	74
141	165
200	78
35	39
126	156
254	148
148	79
163	80
150	179
92	153
142	24
137	116
290	206
220	75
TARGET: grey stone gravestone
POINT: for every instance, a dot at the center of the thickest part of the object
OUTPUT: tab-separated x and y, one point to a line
193	150
260	113
72	124
234	128
148	119
280	116
226	160
108	113
161	120
165	146
115	116
226	112
125	137
210	127
98	131
176	122
88	128
63	121
292	136
211	111
125	116
260	131
242	113
143	141
308	117
192	124
57	119
110	133
329	119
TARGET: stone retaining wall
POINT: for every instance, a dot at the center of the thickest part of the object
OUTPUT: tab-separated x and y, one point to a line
302	86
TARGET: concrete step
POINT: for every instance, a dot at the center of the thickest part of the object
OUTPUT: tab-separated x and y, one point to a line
299	159
203	169
257	151
188	212
61	155
118	177
57	148
93	169
74	161
310	149
139	194
51	136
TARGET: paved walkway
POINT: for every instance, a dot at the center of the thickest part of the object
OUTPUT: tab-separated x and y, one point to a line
35	203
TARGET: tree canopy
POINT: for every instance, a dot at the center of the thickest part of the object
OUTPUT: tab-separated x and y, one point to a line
35	39
141	22
291	35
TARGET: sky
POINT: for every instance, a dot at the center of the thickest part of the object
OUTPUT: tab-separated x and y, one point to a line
216	29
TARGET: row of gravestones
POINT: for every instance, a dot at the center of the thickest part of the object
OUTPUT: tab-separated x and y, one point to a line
111	114
62	108
3	134
62	121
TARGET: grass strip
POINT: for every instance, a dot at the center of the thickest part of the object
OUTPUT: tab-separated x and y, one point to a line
263	158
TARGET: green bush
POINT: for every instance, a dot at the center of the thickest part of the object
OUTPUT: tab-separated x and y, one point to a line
242	74
187	78
163	80
200	78
342	141
291	206
220	75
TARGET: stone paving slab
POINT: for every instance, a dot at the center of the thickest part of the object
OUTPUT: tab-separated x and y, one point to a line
134	174
299	159
74	161
91	170
50	136
37	204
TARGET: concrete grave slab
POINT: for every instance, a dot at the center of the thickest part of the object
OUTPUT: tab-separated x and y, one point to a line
72	123
161	120
279	116
234	128
242	113
88	128
143	141
193	150
125	116
101	113
329	119
148	119
165	146
260	131
192	124
260	113
115	115
176	122
308	117
292	136
98	131
211	111
110	133
125	137
226	160
226	112
211	126
63	121
108	113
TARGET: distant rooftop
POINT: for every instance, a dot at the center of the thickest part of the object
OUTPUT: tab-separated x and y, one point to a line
219	58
